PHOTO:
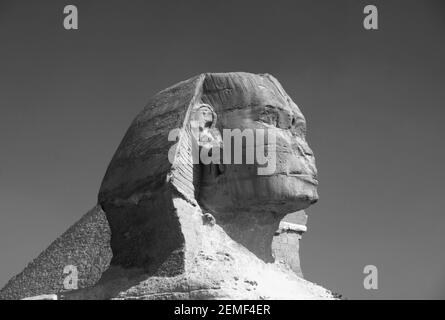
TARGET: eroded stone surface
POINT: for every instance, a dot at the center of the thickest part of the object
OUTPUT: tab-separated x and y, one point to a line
219	268
286	241
43	297
182	229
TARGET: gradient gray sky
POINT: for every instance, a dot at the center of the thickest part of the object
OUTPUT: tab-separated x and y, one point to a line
374	102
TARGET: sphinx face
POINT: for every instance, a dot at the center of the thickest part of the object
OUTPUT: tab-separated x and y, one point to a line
290	183
137	194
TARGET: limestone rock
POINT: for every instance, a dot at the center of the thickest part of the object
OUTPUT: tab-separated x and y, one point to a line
183	228
286	241
43	297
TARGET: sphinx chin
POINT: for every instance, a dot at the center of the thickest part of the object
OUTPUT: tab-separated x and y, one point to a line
288	193
304	189
279	194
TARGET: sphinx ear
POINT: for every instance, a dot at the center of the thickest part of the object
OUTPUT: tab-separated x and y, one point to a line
203	121
198	135
207	141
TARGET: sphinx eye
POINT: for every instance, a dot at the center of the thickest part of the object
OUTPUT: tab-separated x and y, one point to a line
269	115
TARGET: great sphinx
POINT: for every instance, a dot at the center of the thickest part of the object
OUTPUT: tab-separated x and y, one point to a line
168	225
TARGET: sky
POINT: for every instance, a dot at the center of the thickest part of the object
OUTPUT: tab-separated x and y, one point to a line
373	101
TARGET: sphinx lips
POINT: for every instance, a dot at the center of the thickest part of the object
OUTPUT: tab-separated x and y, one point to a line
304	177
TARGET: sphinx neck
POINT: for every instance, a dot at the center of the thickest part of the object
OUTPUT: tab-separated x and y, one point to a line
253	230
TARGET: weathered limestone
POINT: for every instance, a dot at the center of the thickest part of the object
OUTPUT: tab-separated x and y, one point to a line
286	242
43	297
182	229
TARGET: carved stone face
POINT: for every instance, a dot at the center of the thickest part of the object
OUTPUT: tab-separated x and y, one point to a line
260	103
246	205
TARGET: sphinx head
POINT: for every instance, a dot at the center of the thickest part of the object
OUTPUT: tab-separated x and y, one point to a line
265	169
264	162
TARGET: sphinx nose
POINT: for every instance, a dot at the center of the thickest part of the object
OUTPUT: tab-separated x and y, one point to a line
307	155
304	149
311	168
301	165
